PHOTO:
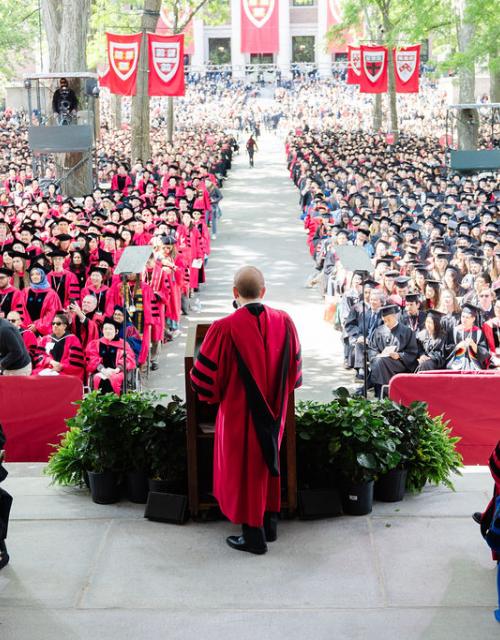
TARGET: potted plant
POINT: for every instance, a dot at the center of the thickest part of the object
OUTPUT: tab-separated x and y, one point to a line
435	457
318	496
67	464
165	447
390	485
99	419
364	446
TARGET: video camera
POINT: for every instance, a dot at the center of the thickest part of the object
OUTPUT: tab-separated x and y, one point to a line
64	107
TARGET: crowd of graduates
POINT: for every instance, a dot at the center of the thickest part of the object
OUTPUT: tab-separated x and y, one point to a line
432	295
58	255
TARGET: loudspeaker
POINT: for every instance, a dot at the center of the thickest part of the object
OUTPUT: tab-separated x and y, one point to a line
166	507
91	86
319	504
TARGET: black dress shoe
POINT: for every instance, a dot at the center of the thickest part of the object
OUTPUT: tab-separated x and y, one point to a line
240	544
476	516
154	366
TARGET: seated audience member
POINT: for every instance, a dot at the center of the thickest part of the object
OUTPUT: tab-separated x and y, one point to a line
466	347
491	330
105	359
28	336
431	343
40	302
83	322
60	352
392	349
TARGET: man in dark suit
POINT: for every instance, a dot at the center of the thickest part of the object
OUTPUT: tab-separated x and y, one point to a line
5	504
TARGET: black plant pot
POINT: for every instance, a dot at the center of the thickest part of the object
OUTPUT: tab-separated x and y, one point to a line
391	486
104	487
318	503
357	497
137	486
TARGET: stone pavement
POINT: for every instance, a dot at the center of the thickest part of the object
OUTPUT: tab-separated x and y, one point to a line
80	571
412	570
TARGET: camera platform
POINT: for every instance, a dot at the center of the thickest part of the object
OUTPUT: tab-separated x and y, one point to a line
67	137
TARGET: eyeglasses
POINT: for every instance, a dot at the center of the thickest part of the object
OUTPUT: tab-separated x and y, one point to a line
57	324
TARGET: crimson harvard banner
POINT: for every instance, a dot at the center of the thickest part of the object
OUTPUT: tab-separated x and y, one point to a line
373	78
166	65
165	25
259	26
123	58
353	65
406	68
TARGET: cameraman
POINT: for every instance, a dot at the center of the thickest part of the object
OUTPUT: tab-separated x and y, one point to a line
64	103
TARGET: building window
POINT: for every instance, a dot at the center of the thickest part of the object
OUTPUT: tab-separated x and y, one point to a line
261	58
303	49
304	3
219	50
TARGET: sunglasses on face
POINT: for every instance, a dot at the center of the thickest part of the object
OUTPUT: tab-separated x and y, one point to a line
57	324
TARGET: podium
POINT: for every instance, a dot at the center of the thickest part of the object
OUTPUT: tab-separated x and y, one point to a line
200	441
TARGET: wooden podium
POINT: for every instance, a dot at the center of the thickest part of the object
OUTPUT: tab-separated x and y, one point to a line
200	440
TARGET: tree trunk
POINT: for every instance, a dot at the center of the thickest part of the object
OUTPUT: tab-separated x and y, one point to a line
117	109
377	112
141	146
467	121
170	118
494	67
393	99
66	25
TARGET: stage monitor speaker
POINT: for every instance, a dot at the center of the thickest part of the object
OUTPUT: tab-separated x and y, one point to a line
166	507
319	504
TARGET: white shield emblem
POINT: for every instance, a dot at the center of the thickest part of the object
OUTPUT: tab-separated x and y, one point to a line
356	61
258	11
373	64
335	10
165	59
123	57
406	63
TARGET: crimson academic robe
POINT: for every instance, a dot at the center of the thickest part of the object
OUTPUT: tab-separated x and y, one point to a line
66	286
11	299
51	304
249	363
109	353
71	356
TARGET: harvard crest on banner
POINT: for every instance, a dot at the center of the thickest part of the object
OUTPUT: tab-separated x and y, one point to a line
373	78
123	59
406	69
353	65
165	25
166	65
259	26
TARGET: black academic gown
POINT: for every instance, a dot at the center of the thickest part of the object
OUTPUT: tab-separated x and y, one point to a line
433	348
382	369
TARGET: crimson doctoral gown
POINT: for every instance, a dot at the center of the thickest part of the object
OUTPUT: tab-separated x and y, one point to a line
249	362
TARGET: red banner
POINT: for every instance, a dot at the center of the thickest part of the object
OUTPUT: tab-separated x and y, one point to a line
406	68
259	26
123	59
165	26
373	78
166	65
353	65
103	78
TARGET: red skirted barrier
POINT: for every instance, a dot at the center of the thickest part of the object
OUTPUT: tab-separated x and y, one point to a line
33	412
469	400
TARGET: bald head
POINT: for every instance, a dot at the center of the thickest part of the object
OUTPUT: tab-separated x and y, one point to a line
249	283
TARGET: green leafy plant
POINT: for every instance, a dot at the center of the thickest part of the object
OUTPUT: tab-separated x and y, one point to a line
435	458
67	464
366	443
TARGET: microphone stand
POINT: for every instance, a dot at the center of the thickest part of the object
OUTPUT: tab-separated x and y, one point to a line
365	355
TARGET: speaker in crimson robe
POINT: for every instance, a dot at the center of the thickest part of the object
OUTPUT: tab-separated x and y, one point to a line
249	363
